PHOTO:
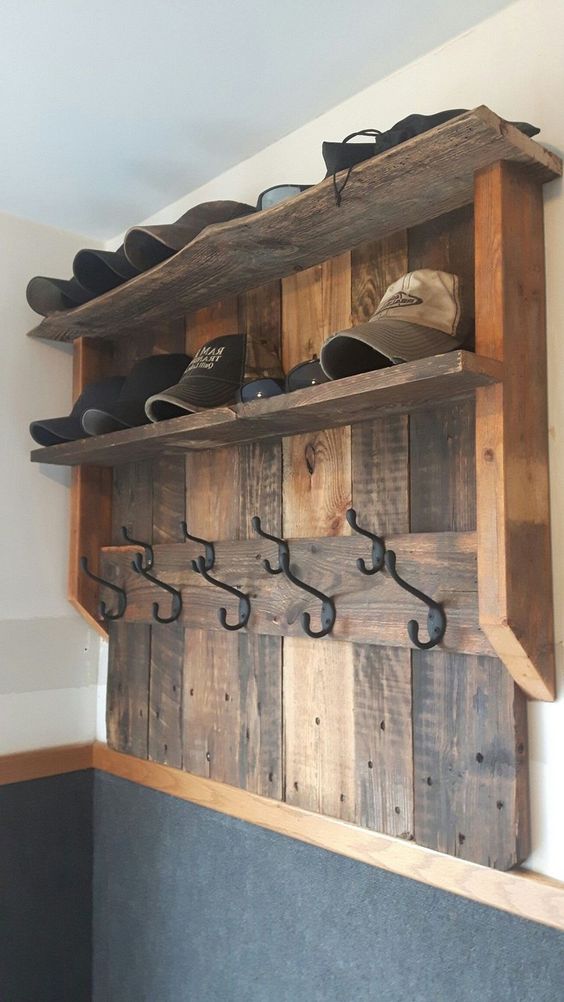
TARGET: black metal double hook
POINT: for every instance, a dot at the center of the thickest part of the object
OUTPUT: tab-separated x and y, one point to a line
328	610
121	594
244	600
209	548
436	616
378	546
148	552
282	546
140	568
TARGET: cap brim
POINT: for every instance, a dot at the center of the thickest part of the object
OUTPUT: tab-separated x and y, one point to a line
53	295
122	414
53	431
191	395
390	341
100	271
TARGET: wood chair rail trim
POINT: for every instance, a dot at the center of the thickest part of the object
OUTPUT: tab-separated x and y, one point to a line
525	894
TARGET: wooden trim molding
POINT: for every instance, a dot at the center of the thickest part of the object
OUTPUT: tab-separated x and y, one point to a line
528	895
525	894
44	762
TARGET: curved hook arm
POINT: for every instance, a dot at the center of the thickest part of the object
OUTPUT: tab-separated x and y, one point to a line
137	565
378	546
328	610
244	601
436	617
282	545
122	596
209	548
149	556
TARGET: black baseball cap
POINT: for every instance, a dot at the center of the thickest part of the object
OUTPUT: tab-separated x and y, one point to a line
215	376
53	431
128	411
52	295
100	271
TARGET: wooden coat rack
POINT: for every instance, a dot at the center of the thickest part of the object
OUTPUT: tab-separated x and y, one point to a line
445	458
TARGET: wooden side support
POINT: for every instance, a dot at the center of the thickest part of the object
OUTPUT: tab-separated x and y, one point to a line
91	494
514	560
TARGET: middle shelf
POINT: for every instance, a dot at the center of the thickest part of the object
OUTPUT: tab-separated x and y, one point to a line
405	387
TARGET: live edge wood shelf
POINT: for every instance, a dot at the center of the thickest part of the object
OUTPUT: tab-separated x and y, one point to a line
445	457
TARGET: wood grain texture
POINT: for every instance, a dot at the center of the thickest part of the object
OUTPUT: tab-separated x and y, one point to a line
512	429
20	767
318	688
165	698
90	494
468	699
380	477
525	894
371	609
127	698
358	398
416	181
232	683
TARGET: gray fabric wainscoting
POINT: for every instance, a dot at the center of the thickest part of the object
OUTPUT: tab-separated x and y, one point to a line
193	906
46	889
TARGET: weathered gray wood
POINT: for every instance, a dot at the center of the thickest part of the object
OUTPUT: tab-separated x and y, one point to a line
127	705
371	610
398	389
407	185
165	703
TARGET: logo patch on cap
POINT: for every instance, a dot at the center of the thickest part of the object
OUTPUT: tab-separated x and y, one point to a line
399	299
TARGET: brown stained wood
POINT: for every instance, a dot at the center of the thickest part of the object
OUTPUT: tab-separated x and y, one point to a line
372	610
132	502
90	494
401	388
380	477
470	734
467	696
232	683
416	181
443	478
165	699
318	677
127	704
512	429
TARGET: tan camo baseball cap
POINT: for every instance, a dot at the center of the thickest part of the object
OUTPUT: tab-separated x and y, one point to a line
418	315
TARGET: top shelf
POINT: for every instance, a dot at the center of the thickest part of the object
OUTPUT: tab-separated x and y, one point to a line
409	184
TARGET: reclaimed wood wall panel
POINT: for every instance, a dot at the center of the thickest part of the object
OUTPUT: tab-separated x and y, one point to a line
422	745
127	712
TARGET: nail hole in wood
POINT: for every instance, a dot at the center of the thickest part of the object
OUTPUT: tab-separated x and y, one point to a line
165	749
191	692
248	734
208	757
382	725
397	810
157	714
499	805
318	720
429	781
479	757
296	785
342	798
270	777
461	838
370	764
521	748
226	697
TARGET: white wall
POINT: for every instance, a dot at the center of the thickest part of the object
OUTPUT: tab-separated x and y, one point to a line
48	655
512	62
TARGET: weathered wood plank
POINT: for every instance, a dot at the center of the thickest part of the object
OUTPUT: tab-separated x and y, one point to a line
232	692
330	405
470	697
380	477
318	689
127	706
512	429
404	186
165	702
370	609
90	495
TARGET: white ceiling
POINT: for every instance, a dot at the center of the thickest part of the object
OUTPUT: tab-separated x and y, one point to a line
112	109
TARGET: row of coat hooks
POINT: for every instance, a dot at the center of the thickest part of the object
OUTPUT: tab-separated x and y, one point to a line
380	558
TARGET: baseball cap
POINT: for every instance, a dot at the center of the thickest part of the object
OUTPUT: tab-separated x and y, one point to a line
215	376
51	295
147	376
418	315
53	431
147	246
100	271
